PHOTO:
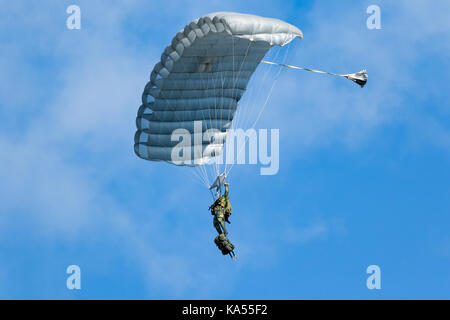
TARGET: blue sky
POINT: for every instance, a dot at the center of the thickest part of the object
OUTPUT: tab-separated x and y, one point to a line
364	173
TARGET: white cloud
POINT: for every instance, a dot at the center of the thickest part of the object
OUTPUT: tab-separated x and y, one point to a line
307	234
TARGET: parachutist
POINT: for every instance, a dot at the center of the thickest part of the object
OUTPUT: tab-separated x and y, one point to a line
218	210
221	210
184	94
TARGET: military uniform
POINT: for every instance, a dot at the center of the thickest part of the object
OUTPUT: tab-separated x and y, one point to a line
221	210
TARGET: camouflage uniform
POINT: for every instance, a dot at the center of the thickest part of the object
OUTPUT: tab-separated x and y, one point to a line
221	210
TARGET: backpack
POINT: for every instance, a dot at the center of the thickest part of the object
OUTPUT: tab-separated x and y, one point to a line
223	244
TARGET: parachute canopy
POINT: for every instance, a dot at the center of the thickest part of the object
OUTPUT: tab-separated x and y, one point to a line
199	81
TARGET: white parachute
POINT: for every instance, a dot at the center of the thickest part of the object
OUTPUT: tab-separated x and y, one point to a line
195	89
